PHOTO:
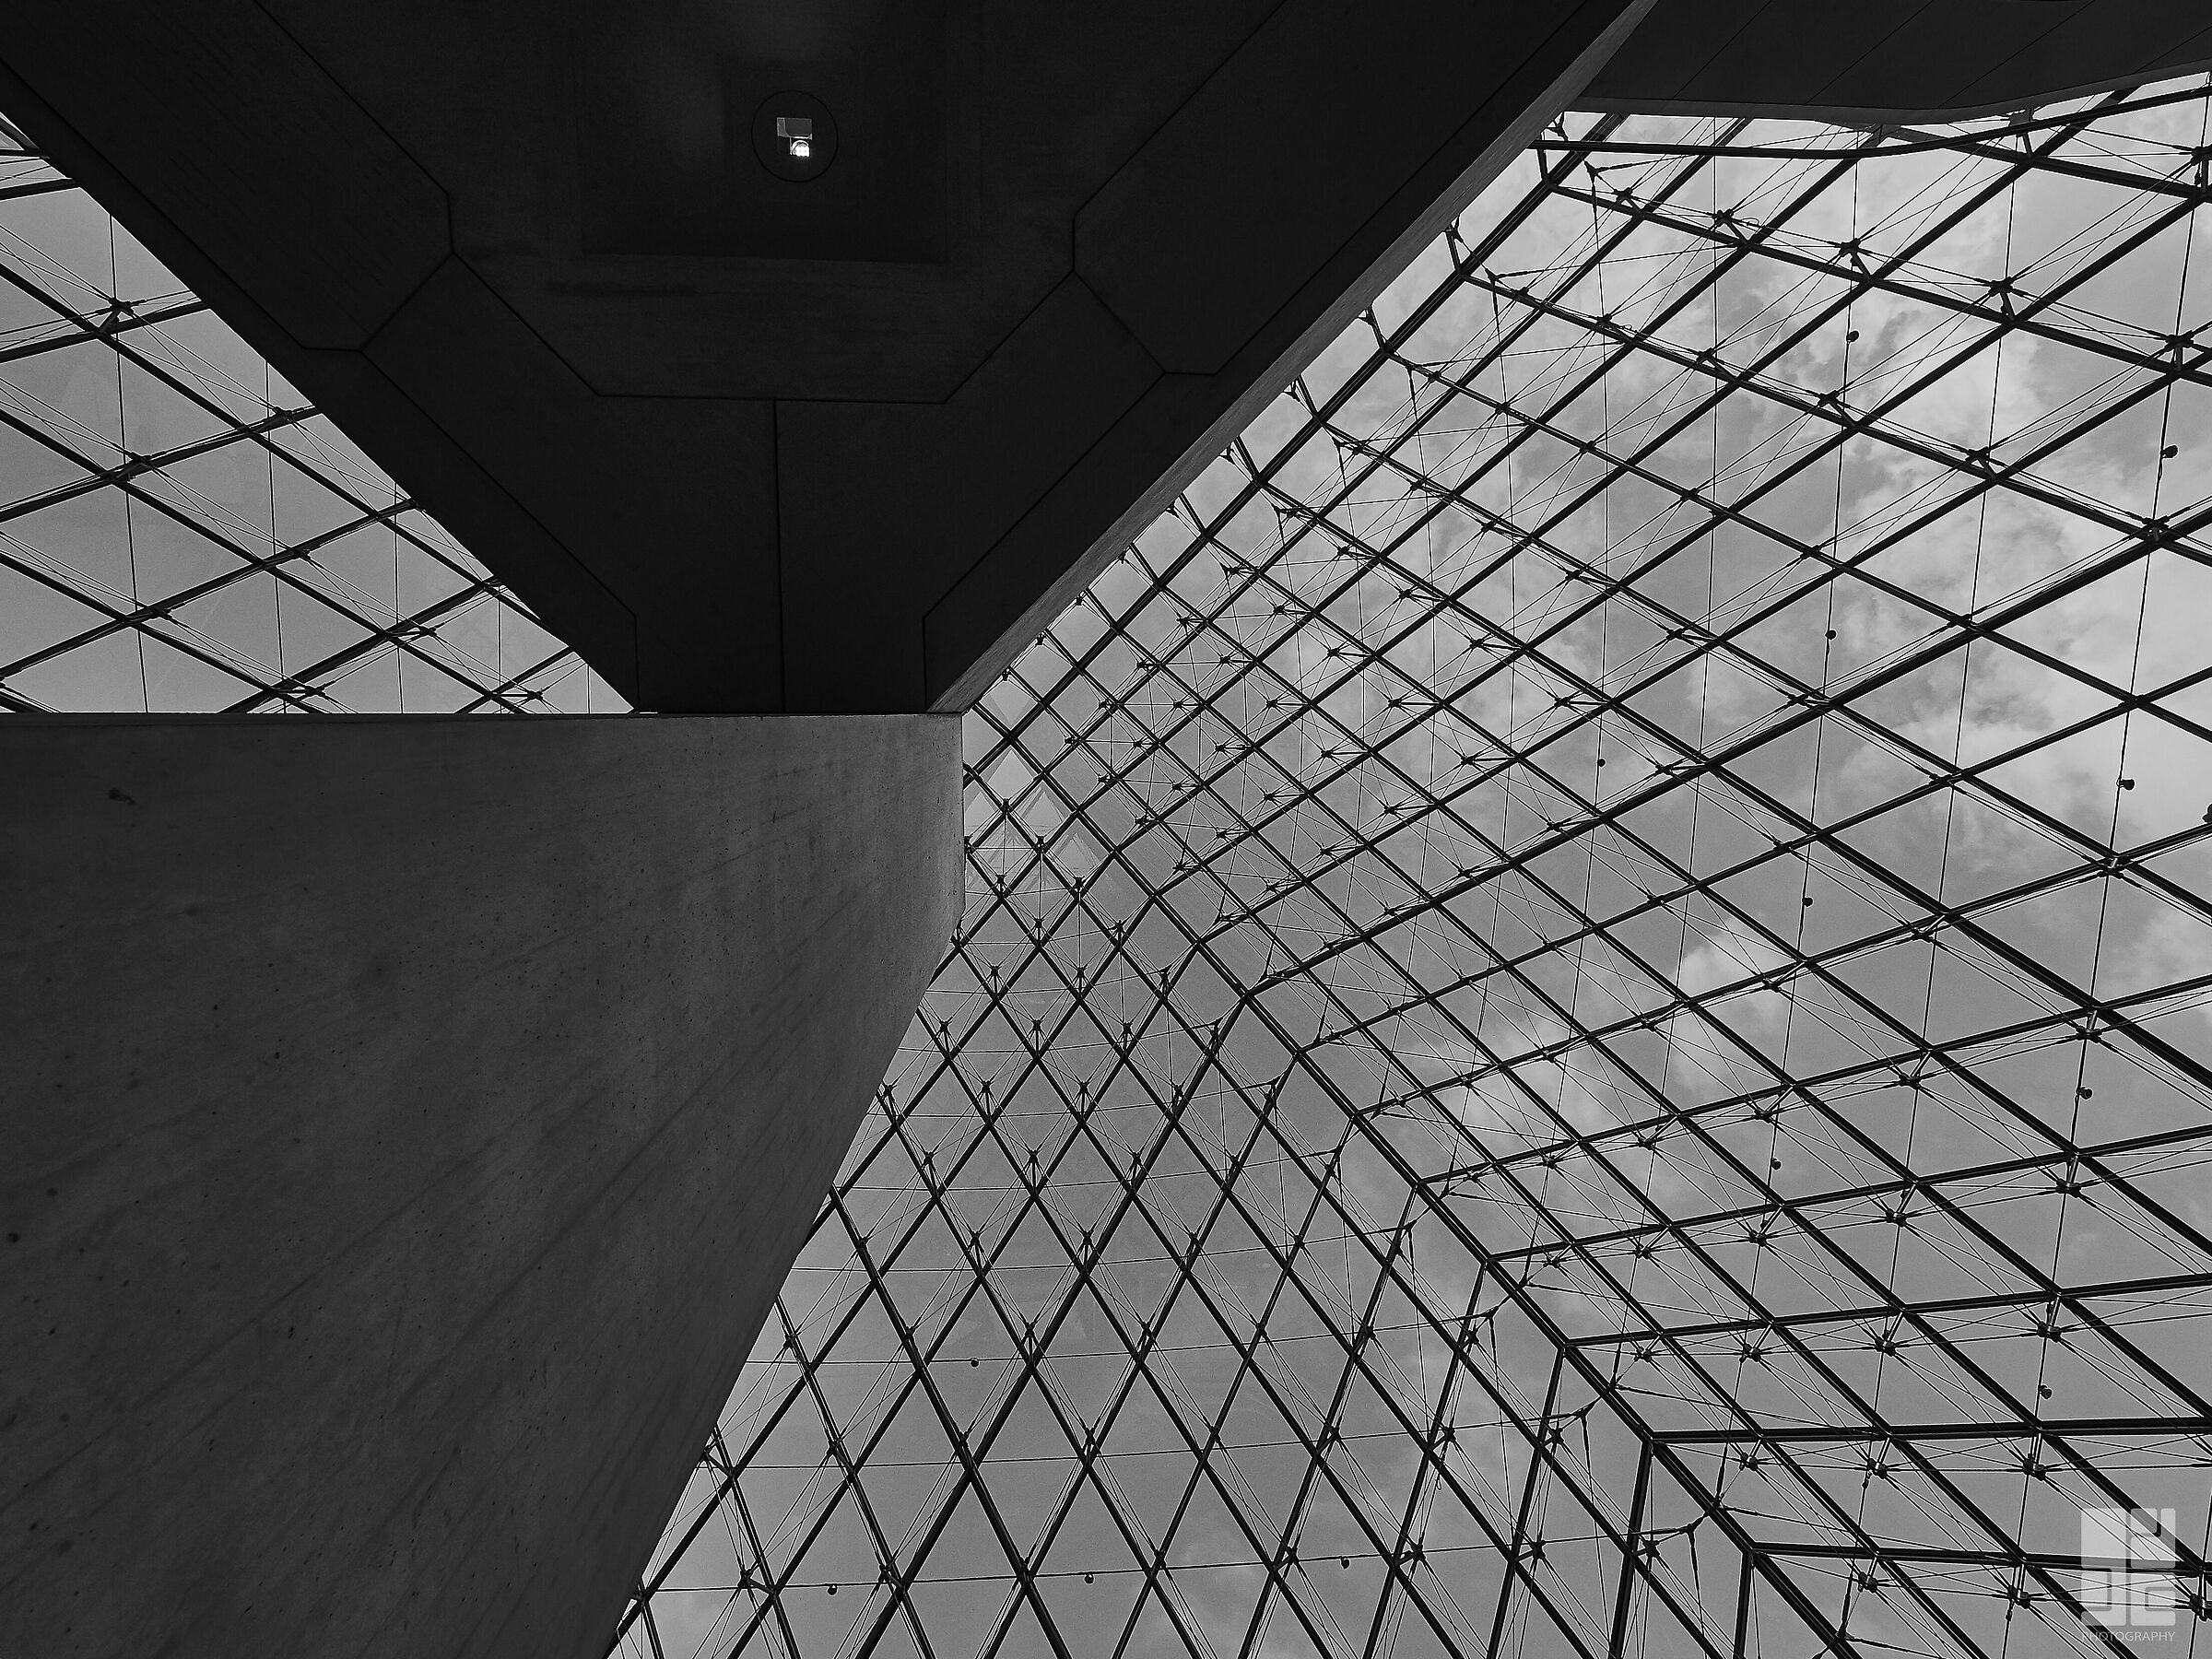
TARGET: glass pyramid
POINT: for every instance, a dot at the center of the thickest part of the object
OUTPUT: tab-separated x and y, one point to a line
1582	1023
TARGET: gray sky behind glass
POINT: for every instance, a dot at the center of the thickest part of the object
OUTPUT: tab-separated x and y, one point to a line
184	531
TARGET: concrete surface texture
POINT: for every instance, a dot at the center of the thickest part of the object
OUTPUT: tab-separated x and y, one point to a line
408	1124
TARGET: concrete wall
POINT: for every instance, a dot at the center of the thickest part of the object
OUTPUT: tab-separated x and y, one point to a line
407	1125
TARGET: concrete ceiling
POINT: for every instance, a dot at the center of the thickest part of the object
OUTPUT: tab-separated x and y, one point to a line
1896	60
844	442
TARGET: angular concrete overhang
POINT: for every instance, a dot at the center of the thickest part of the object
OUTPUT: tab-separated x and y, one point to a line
1895	60
844	442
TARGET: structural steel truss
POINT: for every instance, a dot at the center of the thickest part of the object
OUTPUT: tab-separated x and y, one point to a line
1582	1023
179	531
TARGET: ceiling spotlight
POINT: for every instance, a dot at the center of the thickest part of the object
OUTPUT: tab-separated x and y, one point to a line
794	136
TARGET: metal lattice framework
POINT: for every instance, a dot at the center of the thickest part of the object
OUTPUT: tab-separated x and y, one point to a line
1581	1026
181	531
1582	1021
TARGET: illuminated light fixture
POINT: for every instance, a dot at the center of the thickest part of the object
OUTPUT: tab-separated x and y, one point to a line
794	137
